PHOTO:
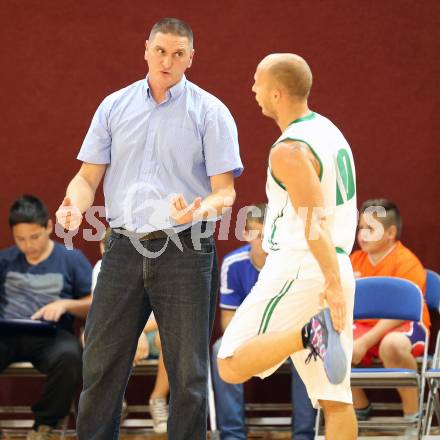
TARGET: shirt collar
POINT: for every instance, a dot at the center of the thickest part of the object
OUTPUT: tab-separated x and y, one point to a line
173	92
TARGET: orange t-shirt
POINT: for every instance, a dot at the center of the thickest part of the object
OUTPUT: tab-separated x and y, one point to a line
400	262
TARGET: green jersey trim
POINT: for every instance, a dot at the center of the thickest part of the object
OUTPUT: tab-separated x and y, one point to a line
273	245
311	149
340	250
280	184
308	117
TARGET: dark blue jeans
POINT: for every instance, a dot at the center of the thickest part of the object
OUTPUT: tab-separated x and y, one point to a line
180	287
229	400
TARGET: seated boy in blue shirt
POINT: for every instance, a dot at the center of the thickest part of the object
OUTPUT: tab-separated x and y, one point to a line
42	280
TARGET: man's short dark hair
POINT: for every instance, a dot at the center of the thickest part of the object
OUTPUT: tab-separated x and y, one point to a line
28	209
172	26
256	213
392	213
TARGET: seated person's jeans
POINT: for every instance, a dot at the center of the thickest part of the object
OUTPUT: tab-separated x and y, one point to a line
59	357
229	400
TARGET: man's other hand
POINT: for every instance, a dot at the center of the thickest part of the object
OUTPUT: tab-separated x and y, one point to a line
68	215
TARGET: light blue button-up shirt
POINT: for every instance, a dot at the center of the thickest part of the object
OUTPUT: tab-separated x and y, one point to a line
155	151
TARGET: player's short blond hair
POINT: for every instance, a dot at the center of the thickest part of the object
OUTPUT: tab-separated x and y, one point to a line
293	73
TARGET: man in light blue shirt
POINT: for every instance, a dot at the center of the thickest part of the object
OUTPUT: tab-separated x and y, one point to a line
168	152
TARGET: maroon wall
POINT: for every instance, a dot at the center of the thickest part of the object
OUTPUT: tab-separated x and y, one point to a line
375	66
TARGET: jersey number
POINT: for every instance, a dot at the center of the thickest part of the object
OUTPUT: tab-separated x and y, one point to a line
345	186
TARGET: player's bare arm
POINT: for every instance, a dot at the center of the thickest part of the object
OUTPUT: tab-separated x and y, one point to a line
222	196
296	167
80	195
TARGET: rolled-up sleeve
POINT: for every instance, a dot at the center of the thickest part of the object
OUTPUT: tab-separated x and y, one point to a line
97	143
220	142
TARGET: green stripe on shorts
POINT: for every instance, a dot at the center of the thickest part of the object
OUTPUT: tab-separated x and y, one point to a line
271	306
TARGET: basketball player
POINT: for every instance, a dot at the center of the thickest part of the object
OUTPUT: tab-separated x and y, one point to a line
309	232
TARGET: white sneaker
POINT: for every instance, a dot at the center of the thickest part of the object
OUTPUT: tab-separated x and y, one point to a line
159	413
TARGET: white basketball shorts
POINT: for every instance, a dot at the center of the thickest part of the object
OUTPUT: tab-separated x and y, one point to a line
285	297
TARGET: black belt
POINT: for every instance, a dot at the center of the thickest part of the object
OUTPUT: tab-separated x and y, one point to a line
153	235
162	233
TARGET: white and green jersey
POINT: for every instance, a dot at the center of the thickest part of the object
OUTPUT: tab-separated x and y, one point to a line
284	227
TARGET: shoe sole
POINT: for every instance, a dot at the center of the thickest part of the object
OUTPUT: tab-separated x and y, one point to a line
335	362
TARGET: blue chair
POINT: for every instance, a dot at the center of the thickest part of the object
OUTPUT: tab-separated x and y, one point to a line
388	298
432	294
432	375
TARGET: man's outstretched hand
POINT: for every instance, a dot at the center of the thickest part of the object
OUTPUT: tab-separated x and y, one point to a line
68	215
183	213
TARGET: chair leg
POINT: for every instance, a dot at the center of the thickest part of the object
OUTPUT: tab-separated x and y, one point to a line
432	406
318	424
426	423
436	403
211	407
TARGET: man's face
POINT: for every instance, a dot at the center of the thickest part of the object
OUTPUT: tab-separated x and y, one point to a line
372	236
262	90
168	56
32	239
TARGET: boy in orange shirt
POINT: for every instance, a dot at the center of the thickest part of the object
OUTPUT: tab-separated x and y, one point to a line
395	342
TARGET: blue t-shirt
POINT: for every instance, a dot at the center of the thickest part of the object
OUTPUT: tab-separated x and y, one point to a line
25	288
238	276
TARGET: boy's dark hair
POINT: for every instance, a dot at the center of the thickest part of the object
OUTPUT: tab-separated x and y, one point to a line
392	213
28	209
172	26
256	213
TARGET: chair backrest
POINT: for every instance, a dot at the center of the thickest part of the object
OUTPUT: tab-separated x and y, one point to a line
432	297
432	294
387	298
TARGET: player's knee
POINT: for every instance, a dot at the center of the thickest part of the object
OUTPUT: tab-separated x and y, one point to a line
226	373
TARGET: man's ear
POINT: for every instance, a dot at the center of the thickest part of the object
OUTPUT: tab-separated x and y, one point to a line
49	226
276	94
392	232
191	58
